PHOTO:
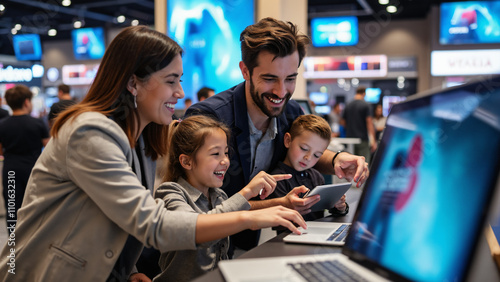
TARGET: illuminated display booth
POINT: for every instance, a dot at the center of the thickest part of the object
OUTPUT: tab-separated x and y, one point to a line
27	47
88	43
209	32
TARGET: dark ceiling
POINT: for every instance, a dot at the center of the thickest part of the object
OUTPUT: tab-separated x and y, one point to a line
38	16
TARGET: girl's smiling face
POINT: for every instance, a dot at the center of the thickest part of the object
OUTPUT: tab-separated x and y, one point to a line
210	162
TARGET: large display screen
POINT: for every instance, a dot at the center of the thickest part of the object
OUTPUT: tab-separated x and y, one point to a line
88	43
209	32
470	22
334	31
27	47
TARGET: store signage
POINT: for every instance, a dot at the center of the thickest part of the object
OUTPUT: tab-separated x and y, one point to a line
79	74
465	62
398	64
14	74
345	66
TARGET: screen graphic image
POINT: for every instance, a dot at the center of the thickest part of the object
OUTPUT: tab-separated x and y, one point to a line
27	47
88	43
470	22
334	31
209	32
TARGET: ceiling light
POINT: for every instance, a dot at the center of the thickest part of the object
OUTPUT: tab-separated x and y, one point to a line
66	3
391	9
383	2
120	18
135	22
52	32
18	26
77	24
13	31
2	8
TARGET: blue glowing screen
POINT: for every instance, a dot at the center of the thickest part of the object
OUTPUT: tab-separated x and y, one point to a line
209	33
470	22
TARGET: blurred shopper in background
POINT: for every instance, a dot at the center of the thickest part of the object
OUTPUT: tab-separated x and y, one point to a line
204	93
3	112
357	119
378	121
63	93
22	138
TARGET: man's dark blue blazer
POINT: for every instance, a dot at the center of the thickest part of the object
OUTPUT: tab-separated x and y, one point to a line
230	107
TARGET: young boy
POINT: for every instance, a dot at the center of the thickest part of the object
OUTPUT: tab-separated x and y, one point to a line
306	141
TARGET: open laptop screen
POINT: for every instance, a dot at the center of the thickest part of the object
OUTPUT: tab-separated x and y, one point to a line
431	181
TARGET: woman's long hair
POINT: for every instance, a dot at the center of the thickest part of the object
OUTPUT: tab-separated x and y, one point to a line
135	50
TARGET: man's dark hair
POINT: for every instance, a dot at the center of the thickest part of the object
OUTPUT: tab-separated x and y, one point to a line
277	37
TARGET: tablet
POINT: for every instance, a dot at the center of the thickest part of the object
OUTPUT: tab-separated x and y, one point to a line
330	194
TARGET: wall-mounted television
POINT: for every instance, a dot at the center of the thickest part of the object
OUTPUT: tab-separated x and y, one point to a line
319	98
27	47
373	95
88	43
334	31
470	22
209	32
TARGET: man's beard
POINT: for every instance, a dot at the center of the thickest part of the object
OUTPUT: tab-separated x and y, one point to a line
258	99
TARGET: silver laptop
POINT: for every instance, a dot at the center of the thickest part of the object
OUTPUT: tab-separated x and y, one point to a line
424	205
321	233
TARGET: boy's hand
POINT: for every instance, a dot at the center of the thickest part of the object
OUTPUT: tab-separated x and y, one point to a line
302	205
262	184
340	205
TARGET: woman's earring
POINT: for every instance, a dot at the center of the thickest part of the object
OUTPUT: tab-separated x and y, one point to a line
135	101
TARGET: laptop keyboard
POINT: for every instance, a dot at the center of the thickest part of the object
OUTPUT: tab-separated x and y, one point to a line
330	270
340	234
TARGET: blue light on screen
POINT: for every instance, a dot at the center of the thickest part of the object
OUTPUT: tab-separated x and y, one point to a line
27	47
335	31
412	221
471	22
88	43
373	95
319	98
209	32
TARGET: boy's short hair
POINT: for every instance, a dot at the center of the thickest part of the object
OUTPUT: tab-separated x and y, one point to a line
312	123
16	96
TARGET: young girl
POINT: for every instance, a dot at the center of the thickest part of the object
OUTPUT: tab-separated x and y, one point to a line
196	164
